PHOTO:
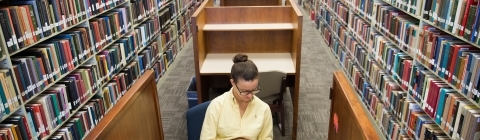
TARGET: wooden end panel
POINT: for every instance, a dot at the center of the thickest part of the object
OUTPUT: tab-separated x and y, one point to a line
135	116
288	3
198	22
348	120
250	3
245	14
296	48
296	51
267	41
209	3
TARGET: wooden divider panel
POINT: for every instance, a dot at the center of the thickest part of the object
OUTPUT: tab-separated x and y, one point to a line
249	15
348	120
135	116
250	2
276	41
200	52
296	52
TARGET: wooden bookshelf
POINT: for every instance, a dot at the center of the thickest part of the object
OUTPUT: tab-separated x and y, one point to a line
349	117
271	39
123	120
418	78
57	71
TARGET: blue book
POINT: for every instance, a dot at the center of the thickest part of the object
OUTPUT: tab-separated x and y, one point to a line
468	72
438	46
441	103
475	26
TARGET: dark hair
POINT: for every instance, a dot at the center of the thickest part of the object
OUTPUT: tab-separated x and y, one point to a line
243	68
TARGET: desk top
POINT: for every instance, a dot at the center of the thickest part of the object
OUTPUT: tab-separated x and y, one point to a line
222	63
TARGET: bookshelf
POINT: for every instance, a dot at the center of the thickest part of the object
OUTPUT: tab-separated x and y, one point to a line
413	63
271	39
66	64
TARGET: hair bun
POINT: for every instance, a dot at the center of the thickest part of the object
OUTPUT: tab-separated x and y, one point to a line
240	58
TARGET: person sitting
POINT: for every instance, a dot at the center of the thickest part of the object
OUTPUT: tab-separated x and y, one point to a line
238	113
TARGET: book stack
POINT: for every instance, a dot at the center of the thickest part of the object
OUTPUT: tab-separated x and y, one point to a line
414	63
64	64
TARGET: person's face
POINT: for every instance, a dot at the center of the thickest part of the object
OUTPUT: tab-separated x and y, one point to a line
244	90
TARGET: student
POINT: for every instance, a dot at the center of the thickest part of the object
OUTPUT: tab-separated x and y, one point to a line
238	113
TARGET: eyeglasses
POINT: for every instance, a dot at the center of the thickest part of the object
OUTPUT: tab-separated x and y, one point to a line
244	93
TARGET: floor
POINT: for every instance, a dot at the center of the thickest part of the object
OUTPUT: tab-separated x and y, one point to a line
317	67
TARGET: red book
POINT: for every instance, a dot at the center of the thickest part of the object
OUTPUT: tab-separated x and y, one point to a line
312	15
435	86
465	15
451	67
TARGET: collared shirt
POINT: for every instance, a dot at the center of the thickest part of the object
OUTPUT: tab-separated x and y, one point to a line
223	121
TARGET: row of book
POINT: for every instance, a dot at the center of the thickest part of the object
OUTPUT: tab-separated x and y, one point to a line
72	107
184	4
354	51
363	62
183	26
141	9
27	22
49	65
182	32
378	91
42	65
339	9
142	33
389	124
114	68
434	54
10	100
382	58
45	63
167	15
441	53
184	21
54	112
314	7
458	17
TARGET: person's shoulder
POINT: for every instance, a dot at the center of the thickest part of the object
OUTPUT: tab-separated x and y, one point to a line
261	104
219	100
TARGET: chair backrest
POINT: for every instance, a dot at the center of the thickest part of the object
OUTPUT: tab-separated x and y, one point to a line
271	85
195	116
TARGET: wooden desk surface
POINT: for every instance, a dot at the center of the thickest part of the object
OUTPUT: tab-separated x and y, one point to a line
248	27
215	64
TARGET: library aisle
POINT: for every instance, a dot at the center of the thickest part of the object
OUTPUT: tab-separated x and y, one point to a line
317	68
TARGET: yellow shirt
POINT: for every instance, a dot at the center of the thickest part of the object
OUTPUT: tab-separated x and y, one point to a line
223	122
